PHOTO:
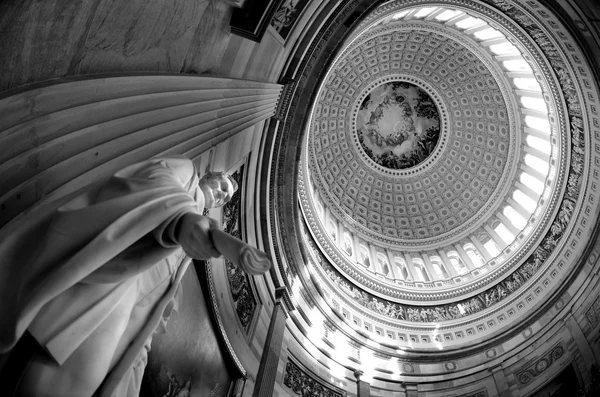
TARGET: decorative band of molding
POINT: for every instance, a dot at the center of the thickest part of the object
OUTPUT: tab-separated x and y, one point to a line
480	393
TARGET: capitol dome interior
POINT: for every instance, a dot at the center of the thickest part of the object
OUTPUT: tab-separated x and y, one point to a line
424	176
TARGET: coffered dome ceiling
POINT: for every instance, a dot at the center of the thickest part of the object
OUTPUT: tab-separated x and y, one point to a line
443	167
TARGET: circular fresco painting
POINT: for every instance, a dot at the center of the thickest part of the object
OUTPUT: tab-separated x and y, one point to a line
398	125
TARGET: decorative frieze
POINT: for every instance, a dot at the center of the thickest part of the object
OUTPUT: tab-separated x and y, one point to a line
305	384
536	368
593	313
239	283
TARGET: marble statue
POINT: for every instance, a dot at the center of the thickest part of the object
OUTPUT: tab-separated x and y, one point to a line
91	278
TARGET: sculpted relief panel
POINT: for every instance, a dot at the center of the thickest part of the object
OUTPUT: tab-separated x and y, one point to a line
305	385
239	283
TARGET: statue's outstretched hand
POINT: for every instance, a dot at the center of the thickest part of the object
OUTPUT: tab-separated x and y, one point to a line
193	234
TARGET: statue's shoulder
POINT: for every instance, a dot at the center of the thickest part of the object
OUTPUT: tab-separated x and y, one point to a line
175	167
182	166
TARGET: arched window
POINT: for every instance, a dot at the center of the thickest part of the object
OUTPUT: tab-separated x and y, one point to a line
399	261
421	271
348	243
439	268
384	263
474	255
457	262
365	258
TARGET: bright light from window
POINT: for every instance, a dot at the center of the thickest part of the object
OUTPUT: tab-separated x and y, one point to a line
517	65
526	202
474	256
534	103
424	12
448	14
400	14
504	233
527	84
487	34
515	218
337	371
491	248
533	183
538	124
536	163
504	49
469	23
539	144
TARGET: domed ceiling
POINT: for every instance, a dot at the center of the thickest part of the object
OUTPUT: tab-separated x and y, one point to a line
443	162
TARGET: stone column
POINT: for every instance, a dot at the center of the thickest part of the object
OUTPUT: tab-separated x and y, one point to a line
267	372
410	266
583	344
500	380
446	261
393	268
374	261
363	389
465	257
429	266
482	250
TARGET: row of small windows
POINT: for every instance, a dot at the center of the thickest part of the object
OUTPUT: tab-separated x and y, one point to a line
418	270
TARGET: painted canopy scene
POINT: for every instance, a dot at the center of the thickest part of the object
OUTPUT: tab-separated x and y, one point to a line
398	125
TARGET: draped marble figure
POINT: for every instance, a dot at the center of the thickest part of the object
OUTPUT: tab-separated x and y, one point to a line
90	280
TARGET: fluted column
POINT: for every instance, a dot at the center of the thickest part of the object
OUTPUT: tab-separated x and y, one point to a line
267	372
57	138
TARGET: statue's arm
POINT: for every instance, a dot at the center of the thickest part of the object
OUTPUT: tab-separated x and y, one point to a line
188	229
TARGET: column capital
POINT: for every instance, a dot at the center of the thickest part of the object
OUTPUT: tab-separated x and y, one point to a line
357	374
495	368
283	295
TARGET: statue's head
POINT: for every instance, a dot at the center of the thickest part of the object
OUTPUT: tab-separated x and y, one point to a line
218	188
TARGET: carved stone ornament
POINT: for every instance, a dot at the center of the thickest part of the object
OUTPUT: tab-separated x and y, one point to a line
593	313
305	385
536	368
241	292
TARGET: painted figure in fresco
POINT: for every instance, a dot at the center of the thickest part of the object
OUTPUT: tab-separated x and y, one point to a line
89	282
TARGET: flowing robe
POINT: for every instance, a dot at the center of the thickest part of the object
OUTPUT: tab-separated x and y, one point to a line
108	253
